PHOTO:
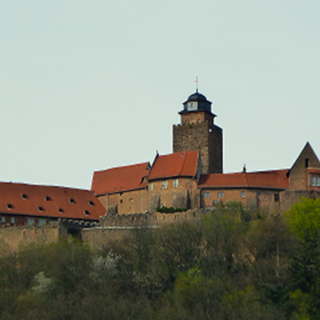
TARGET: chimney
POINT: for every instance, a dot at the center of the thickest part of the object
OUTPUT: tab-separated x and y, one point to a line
244	170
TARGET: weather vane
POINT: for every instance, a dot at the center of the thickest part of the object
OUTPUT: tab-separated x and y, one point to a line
197	83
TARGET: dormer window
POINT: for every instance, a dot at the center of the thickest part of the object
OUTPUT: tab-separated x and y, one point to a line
40	209
71	200
9	206
48	198
86	212
24	196
60	210
91	203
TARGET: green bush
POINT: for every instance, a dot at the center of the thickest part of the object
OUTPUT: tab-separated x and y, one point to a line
170	210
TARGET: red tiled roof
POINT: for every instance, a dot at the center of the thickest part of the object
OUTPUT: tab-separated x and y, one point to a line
174	165
275	179
49	201
313	170
120	179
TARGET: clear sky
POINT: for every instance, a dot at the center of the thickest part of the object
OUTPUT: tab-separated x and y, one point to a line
89	85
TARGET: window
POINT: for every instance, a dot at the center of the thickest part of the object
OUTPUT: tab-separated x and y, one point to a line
220	194
12	220
243	194
42	222
276	197
164	185
151	186
3	220
30	222
206	195
131	200
306	163
163	205
86	212
317	181
48	198
24	196
60	210
91	203
9	206
175	183
40	209
71	200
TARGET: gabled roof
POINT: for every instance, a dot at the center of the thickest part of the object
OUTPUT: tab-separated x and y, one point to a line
175	165
49	201
275	179
120	179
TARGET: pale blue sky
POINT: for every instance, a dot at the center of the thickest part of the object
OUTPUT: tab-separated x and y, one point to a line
89	85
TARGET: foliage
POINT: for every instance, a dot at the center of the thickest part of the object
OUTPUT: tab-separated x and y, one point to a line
223	266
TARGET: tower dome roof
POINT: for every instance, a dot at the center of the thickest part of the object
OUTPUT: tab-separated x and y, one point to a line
197	97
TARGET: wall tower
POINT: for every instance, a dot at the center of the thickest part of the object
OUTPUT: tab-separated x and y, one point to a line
197	131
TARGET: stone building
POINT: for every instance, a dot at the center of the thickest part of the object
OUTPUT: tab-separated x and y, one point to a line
36	205
197	131
192	177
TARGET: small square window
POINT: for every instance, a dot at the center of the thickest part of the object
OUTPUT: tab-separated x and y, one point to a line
243	194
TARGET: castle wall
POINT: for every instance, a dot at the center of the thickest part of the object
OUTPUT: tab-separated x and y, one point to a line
126	202
203	136
185	195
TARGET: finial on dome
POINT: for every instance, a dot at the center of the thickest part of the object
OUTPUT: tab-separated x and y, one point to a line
197	83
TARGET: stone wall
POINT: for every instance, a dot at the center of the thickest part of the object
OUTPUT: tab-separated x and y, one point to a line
203	136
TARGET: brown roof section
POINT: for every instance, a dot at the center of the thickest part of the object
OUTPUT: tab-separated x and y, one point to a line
275	179
175	165
49	201
120	179
313	170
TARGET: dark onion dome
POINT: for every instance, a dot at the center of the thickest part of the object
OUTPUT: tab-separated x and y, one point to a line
196	102
197	97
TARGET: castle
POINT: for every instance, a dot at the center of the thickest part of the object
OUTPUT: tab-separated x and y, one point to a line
192	176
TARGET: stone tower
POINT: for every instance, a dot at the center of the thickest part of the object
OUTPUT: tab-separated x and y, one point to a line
197	131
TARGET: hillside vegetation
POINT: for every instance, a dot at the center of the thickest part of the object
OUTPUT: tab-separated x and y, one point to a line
229	265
